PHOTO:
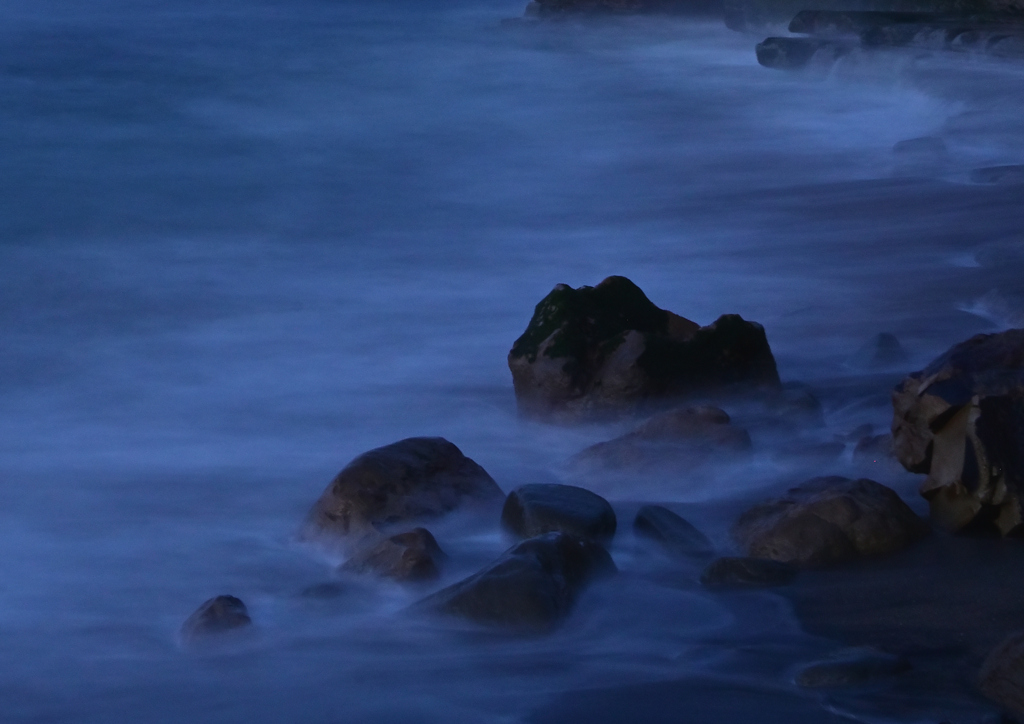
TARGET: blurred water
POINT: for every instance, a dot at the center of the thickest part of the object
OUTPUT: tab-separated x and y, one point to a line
241	243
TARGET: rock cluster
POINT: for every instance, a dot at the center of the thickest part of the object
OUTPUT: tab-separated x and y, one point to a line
601	351
961	421
827	521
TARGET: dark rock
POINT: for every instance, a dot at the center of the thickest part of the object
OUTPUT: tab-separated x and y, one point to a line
999	174
533	510
602	351
850	24
684	437
674	533
852	668
961	421
411	556
413	479
1002	674
216	616
827	521
796	403
325	590
881	351
795	53
531	587
733	572
562	8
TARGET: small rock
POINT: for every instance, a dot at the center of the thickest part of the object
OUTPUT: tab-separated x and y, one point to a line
960	420
851	668
606	351
413	479
795	53
1002	674
532	587
328	589
797	403
998	175
533	510
411	556
881	351
736	572
679	438
674	533
216	616
827	521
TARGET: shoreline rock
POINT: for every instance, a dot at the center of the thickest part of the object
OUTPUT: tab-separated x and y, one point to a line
533	510
672	532
410	556
214	617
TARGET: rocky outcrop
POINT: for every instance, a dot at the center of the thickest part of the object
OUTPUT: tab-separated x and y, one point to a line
411	556
532	587
684	437
827	521
1002	674
674	533
216	616
533	510
738	572
410	480
961	421
602	351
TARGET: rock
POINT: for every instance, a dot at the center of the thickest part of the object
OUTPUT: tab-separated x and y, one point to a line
675	534
562	8
852	667
323	591
679	438
607	350
827	521
796	403
874	449
531	587
961	421
533	510
881	351
216	616
794	53
413	479
1002	674
411	556
733	572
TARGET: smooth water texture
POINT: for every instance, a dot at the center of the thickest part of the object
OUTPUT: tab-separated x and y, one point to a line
241	243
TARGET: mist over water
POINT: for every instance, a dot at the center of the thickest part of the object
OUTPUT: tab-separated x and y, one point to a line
241	243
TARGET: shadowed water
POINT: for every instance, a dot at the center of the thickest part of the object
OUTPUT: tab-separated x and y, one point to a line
241	243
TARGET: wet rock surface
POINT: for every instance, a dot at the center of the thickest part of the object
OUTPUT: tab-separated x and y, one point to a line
679	438
216	616
672	532
604	351
410	556
533	510
1002	674
532	587
852	667
828	521
961	421
413	479
745	572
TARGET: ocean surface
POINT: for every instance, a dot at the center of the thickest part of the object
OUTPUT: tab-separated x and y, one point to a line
243	242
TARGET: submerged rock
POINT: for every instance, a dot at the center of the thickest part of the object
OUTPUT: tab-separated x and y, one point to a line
684	437
533	510
961	421
215	616
738	572
795	53
852	667
411	556
1002	674
602	351
532	587
874	449
675	534
413	479
827	521
999	174
881	351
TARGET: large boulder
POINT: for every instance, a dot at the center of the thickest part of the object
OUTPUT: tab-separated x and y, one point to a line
413	479
532	587
410	556
218	615
1002	674
602	351
960	420
679	438
533	510
675	534
827	521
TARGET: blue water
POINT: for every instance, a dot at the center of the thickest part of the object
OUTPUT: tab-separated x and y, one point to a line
241	243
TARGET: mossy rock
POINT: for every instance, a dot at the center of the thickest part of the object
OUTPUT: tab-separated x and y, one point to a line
601	351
